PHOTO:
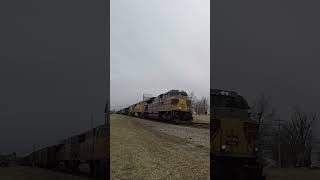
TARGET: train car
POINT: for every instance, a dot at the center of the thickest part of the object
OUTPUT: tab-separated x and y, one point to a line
46	157
68	153
171	106
36	158
139	109
30	158
25	161
131	110
93	149
233	138
39	158
90	147
60	154
125	111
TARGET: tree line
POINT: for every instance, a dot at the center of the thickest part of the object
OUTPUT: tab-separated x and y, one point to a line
288	142
199	105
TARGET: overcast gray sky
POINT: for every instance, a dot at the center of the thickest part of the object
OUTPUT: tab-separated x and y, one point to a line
158	45
271	47
52	71
46	99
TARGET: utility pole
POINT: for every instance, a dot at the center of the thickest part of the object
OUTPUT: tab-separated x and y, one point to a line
92	129
279	121
279	142
33	157
91	118
106	113
106	134
279	145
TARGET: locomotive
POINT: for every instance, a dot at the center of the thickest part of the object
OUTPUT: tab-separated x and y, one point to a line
89	147
171	106
233	135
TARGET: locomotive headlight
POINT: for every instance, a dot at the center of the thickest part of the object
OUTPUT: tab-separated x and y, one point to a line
223	147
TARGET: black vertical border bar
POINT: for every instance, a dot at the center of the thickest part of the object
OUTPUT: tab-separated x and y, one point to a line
212	58
107	108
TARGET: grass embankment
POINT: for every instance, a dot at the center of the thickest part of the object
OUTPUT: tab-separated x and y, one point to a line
201	118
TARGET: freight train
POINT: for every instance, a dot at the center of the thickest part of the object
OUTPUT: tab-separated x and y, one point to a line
171	106
89	147
233	138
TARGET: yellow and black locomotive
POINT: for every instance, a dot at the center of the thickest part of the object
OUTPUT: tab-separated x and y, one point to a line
171	106
233	138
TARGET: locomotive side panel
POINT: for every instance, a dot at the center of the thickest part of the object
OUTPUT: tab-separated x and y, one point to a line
86	147
93	147
100	144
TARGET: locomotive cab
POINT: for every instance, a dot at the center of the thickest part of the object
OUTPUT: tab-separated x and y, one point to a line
176	106
172	106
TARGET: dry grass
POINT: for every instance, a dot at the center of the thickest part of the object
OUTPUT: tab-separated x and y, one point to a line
292	174
136	152
201	118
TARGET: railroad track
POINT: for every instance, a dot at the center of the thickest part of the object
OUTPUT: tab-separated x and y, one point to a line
81	173
194	124
190	124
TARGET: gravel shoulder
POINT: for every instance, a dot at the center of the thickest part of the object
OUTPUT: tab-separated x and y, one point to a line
142	149
196	136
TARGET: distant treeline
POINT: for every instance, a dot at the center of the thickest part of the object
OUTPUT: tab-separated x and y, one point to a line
199	105
288	142
8	157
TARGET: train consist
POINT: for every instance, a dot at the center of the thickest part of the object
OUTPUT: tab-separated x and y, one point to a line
233	138
89	147
171	106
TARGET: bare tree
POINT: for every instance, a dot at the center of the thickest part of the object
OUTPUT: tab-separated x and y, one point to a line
263	112
192	98
204	105
262	109
200	106
297	134
113	111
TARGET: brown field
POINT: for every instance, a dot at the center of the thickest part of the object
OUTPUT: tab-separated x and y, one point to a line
138	152
201	118
292	174
29	173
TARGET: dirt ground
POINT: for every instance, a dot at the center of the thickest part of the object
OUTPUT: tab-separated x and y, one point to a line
138	152
201	118
292	174
29	173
